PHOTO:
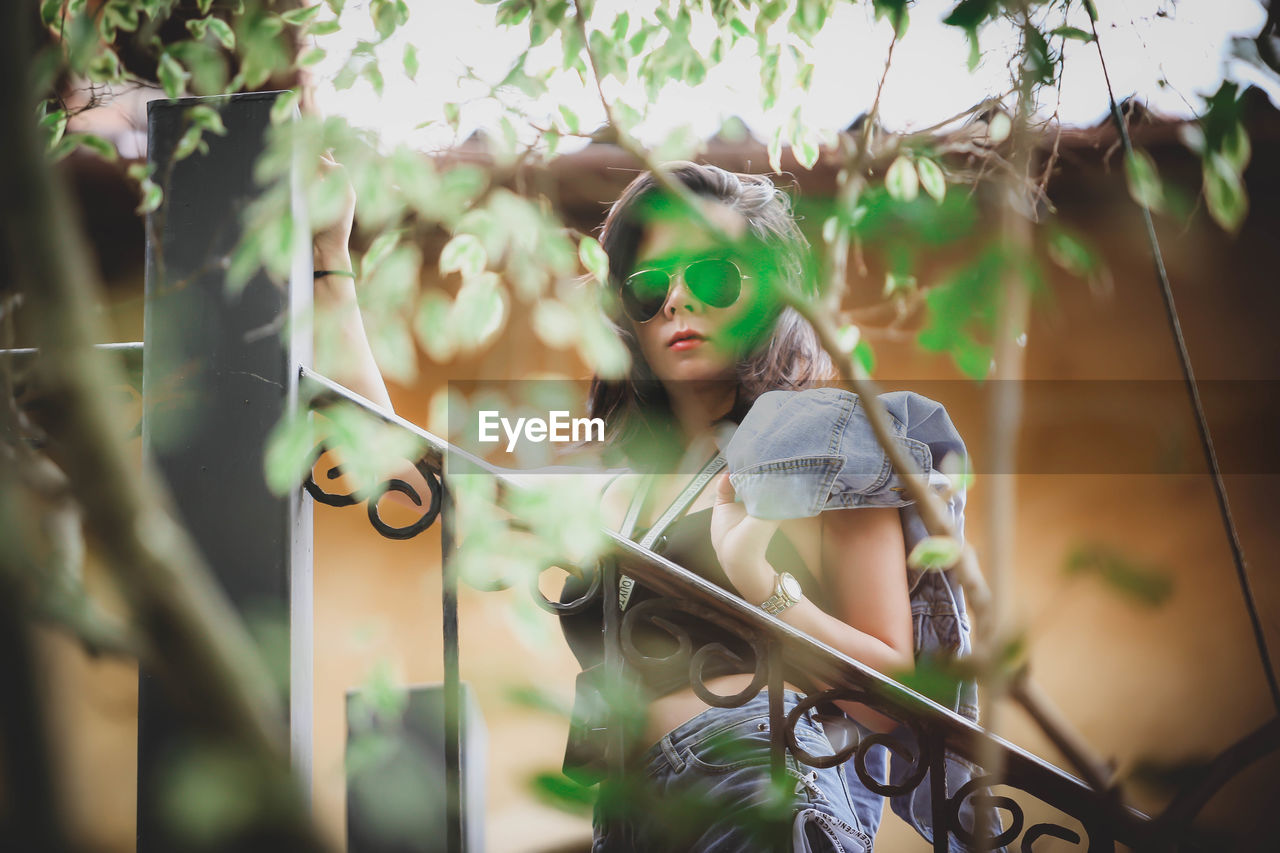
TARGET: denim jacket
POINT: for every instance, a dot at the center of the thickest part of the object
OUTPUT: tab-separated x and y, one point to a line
797	453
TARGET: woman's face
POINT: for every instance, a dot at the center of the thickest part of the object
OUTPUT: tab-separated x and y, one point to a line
686	340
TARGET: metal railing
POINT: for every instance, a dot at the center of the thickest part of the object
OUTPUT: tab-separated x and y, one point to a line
937	731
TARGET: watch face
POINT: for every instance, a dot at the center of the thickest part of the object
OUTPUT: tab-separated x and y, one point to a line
791	587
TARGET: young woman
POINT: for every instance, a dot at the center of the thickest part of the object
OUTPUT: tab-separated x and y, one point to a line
695	303
694	300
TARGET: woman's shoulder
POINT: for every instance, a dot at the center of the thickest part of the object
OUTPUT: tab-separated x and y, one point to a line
799	452
813	416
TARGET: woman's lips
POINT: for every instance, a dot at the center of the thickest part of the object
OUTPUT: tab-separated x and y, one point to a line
685	340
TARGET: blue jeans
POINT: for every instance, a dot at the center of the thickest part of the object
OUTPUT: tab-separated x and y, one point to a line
706	786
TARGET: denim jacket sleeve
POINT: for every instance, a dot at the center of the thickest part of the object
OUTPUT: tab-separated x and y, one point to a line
797	453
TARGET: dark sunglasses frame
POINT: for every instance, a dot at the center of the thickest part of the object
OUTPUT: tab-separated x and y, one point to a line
704	289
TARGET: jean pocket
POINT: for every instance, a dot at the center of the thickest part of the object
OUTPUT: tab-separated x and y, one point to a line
815	831
744	744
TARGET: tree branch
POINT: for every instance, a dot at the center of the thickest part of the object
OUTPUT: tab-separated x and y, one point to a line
203	653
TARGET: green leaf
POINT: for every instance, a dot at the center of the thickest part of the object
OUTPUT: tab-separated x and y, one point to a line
570	119
290	447
478	311
1072	33
222	32
1092	10
554	323
865	356
373	74
1068	252
511	12
324	28
971	14
775	150
50	11
311	56
392	345
206	118
1143	584
593	258
932	179
901	180
92	141
206	63
935	552
1224	193
152	197
433	327
379	250
300	15
191	141
173	77
411	65
1144	180
805	149
452	113
1235	147
896	12
285	107
558	790
465	254
52	127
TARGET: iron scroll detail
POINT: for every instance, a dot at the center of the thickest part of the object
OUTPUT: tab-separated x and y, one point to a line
388	531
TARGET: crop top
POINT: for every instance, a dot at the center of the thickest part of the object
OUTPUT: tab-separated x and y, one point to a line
686	542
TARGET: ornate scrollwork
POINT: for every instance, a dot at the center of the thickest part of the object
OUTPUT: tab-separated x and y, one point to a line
654	612
590	573
1052	830
983	802
860	750
389	531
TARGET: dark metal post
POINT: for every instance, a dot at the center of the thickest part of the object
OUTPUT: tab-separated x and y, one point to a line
452	682
219	373
777	713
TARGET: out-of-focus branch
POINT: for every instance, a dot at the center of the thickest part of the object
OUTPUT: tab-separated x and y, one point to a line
849	184
930	506
202	652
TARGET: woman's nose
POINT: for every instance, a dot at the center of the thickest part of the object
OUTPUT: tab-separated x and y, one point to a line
680	297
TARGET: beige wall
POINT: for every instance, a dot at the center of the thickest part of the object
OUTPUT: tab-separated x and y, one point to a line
1175	683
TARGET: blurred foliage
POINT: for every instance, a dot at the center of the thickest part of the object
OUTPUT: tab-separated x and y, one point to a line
507	251
1140	583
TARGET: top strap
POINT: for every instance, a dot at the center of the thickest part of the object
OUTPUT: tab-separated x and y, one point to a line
712	467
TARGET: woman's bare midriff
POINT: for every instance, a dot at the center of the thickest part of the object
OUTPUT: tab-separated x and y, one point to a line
669	712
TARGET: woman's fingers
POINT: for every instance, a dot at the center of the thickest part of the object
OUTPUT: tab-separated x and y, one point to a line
724	490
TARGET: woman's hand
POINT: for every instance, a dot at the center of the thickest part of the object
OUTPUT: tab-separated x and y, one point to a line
740	541
330	245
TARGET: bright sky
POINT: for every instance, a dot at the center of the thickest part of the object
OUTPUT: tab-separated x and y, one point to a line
1145	42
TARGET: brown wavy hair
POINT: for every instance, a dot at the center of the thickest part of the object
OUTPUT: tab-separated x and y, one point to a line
781	352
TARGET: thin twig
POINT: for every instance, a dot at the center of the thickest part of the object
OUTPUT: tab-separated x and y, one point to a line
1193	392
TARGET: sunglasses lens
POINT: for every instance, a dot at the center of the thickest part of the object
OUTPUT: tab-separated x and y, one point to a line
644	293
718	283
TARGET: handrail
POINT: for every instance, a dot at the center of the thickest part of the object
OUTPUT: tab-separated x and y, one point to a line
938	729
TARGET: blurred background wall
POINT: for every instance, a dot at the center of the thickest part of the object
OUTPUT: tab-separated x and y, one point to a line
1157	688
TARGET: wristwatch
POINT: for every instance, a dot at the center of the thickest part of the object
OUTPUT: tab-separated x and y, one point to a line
786	592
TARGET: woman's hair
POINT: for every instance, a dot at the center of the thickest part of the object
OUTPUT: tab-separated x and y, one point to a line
783	354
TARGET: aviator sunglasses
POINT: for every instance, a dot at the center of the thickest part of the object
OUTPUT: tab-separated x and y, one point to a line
713	281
